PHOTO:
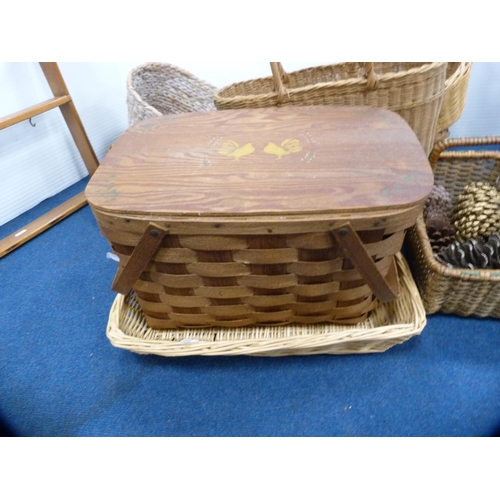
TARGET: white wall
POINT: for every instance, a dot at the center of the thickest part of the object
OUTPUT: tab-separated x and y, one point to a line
481	116
38	162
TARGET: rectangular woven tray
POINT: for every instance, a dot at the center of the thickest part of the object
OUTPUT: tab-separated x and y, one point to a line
389	324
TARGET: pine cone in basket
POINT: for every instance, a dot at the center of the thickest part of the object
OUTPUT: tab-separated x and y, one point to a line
477	212
438	203
480	253
440	232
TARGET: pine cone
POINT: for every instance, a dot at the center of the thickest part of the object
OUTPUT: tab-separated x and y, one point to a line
440	231
438	204
492	250
480	253
477	212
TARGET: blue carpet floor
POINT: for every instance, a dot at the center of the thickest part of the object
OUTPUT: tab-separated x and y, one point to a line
60	376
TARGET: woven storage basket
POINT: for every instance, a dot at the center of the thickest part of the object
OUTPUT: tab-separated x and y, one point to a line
156	89
390	324
267	216
457	82
413	90
464	292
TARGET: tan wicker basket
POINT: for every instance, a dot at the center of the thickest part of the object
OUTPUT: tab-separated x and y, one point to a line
413	90
390	324
156	89
457	82
464	292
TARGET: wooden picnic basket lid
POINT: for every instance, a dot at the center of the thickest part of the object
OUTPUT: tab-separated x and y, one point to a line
300	160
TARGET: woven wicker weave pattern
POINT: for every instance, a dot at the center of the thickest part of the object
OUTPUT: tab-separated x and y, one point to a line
156	89
413	90
388	325
463	292
457	82
240	280
458	169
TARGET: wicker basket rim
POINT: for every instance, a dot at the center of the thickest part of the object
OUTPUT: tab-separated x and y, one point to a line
142	67
464	155
461	69
442	148
182	71
389	76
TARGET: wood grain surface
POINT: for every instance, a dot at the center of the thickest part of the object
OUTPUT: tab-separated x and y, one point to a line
270	161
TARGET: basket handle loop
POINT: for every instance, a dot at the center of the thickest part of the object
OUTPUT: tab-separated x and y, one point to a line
440	146
280	77
284	75
353	249
137	262
371	76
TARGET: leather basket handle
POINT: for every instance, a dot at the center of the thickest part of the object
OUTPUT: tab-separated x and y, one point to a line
355	251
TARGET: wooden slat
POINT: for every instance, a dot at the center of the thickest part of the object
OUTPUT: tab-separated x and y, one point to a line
70	114
268	282
270	300
184	300
266	256
354	250
54	78
142	254
32	111
223	292
316	289
228	311
218	269
185	227
39	225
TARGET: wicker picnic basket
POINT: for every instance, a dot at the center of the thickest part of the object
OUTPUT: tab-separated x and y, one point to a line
156	89
465	292
413	90
389	324
457	82
261	216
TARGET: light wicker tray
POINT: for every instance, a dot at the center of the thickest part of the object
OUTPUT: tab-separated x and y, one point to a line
389	324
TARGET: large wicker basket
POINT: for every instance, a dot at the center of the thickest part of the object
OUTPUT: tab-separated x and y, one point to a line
156	89
261	216
390	324
457	82
464	292
413	90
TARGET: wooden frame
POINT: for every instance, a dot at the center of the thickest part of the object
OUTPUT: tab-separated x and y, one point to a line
64	102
